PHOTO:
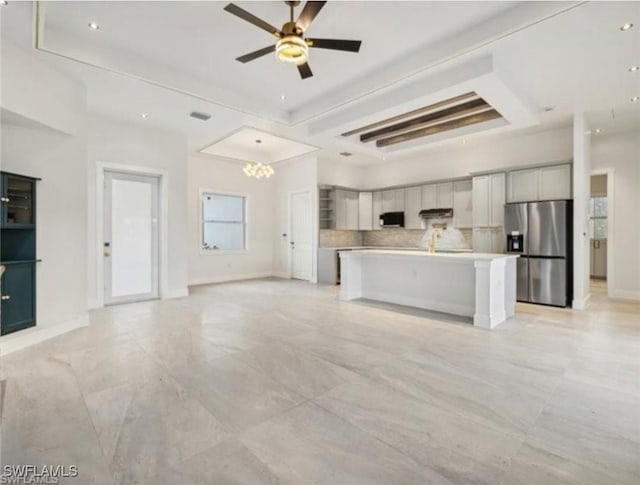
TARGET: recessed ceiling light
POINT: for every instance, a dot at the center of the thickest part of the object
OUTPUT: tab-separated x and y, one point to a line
634	68
258	141
597	130
635	98
282	97
549	108
199	115
346	154
625	27
94	26
144	116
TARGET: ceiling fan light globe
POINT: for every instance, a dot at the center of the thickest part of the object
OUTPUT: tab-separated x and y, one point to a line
292	49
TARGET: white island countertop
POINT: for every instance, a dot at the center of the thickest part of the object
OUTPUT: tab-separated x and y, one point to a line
421	253
477	285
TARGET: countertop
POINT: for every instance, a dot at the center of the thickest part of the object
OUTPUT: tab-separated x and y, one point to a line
466	256
391	248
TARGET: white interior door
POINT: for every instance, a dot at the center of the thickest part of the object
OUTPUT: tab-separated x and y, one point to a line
131	257
301	237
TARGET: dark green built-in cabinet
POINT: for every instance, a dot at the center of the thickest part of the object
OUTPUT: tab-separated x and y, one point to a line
17	252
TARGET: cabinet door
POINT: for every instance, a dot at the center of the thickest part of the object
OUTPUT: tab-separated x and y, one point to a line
18	290
481	192
444	195
496	208
429	196
341	209
377	210
555	182
523	185
498	240
18	203
482	240
352	210
365	211
413	202
388	201
462	204
399	202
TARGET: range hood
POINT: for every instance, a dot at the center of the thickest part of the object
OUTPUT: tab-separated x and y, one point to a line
436	213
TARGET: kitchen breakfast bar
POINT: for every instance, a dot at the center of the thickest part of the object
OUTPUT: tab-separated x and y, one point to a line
482	286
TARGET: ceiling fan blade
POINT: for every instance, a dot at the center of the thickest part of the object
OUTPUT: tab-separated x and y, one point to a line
252	19
335	44
255	54
305	71
309	12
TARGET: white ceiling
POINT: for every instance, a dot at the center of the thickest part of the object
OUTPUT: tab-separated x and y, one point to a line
568	55
249	144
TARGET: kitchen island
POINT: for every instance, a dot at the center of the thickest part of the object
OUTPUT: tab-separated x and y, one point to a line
482	286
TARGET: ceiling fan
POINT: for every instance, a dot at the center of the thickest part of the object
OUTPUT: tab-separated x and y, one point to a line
292	46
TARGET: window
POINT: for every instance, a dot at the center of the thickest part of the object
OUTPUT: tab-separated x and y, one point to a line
223	222
598	218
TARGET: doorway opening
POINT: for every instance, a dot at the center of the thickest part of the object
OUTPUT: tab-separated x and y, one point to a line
599	208
131	255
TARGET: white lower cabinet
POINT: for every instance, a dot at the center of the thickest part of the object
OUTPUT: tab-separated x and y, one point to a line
489	240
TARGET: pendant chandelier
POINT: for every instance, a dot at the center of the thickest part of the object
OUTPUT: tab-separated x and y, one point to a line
258	170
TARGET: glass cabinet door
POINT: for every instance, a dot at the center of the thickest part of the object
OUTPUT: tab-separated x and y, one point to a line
17	201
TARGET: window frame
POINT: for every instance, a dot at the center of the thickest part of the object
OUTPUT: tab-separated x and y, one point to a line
225	193
594	218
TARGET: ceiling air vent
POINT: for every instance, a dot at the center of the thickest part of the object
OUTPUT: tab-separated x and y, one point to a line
346	154
200	116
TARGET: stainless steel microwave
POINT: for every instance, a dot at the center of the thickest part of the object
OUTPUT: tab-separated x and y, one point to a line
392	219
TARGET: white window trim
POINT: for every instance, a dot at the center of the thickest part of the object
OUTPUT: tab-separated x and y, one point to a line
222	252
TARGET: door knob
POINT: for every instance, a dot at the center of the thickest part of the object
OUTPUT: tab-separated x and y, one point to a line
107	254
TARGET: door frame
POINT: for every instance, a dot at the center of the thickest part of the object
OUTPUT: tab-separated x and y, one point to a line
163	222
290	232
611	263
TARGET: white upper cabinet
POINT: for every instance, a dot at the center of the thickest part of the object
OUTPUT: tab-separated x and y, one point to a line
444	195
488	200
377	210
543	183
523	185
462	203
393	200
413	206
346	209
365	211
555	182
429	196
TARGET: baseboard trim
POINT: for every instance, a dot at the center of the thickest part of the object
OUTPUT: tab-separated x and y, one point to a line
281	274
26	338
210	280
581	304
625	295
176	293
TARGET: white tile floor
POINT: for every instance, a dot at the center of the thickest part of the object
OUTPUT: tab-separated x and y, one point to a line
274	381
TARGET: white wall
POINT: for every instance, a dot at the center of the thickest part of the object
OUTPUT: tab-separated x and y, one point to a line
116	142
340	173
621	152
46	137
292	176
227	177
484	154
581	183
61	217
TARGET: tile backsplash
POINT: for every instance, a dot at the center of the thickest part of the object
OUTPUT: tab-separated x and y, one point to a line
396	238
330	238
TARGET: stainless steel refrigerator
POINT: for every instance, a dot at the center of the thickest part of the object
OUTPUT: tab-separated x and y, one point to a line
541	232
